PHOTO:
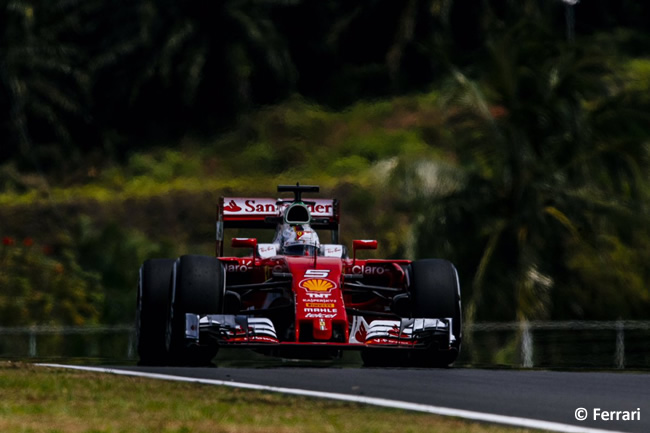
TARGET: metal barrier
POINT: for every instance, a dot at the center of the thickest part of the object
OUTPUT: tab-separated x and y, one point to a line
568	344
111	342
615	344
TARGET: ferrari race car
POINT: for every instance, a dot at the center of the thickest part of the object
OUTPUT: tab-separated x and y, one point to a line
308	304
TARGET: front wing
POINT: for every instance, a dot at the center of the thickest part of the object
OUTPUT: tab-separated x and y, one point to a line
246	331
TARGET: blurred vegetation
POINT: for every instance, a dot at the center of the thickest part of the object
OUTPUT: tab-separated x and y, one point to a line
42	286
511	137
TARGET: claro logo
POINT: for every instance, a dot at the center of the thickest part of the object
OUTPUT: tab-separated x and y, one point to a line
244	266
368	270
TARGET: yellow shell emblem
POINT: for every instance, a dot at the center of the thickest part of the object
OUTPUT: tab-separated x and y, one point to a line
317	285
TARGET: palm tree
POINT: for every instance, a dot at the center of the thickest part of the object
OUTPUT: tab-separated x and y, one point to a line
42	80
539	169
189	64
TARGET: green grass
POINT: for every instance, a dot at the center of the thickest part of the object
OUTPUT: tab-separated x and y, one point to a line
36	399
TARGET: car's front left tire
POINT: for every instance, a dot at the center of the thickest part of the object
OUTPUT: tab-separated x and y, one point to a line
199	288
153	326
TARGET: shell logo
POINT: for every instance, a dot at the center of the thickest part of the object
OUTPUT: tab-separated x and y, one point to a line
317	285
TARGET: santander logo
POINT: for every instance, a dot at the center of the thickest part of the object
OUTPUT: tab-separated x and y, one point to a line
268	206
231	207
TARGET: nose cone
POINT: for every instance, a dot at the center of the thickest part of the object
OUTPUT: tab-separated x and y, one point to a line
322	329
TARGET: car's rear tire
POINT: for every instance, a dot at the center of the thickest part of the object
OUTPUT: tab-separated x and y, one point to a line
153	326
435	293
199	288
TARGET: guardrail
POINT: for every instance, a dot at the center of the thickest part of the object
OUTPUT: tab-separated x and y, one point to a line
109	341
616	344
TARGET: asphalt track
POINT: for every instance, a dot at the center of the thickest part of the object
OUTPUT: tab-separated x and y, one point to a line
536	395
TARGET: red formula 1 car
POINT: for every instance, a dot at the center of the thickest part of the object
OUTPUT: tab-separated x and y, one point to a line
296	297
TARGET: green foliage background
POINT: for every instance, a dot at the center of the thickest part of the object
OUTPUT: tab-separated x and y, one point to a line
512	138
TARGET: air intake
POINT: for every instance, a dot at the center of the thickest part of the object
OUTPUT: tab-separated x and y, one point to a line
297	214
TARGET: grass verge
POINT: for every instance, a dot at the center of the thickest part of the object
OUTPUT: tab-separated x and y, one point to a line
41	400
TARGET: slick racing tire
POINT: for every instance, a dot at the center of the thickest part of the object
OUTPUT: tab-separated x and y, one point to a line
153	326
199	287
435	293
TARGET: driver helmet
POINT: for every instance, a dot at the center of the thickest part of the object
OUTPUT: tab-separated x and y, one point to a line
300	240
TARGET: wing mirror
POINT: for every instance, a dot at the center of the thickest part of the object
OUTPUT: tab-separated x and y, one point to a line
244	242
362	245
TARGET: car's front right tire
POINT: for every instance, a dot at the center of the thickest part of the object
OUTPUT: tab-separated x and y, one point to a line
435	293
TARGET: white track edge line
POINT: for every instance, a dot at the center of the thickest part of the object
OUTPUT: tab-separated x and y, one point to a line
375	401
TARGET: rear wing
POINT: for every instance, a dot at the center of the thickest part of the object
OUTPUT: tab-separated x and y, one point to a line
266	213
